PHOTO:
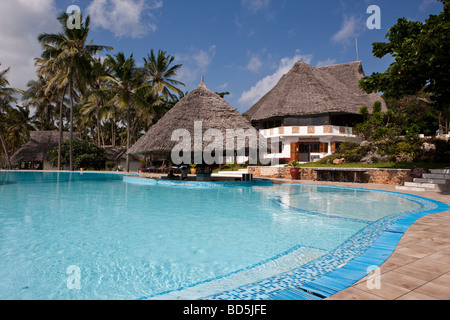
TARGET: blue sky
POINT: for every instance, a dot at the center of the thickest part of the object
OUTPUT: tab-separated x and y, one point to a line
239	46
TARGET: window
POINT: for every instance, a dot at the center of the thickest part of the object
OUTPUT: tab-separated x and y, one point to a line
305	121
315	147
291	122
321	121
324	148
270	124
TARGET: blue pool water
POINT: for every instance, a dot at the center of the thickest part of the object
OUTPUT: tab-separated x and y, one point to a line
134	238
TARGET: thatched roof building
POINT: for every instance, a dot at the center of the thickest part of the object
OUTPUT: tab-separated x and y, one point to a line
40	143
306	91
118	153
200	105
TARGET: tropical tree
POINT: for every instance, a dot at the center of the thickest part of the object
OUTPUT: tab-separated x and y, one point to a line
129	87
69	57
20	123
160	71
7	96
4	109
422	61
87	155
42	100
45	71
97	96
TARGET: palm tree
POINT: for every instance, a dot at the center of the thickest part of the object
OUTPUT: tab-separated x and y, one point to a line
160	73
20	125
6	97
69	59
42	100
4	110
97	96
129	86
46	72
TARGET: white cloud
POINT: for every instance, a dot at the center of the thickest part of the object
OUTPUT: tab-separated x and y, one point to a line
254	64
21	21
250	97
350	29
256	5
425	4
195	64
326	63
223	86
124	18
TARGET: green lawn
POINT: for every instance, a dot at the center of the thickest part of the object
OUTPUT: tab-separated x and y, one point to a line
388	165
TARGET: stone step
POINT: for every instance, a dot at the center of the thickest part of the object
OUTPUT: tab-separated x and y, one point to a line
433	181
230	173
431	186
436	176
237	174
440	171
403	188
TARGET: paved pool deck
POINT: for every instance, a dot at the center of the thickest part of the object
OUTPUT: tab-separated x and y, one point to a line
419	268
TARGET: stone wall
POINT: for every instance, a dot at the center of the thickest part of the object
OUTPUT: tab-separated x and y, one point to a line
379	176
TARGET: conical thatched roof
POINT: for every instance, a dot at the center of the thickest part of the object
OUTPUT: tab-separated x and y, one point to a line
200	105
40	143
306	91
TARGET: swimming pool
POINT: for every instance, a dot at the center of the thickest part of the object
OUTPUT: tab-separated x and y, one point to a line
103	236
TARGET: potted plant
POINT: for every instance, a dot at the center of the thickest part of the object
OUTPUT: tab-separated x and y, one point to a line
142	167
110	165
294	165
193	169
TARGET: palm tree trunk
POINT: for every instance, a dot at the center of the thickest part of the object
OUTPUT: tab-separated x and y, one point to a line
61	106
98	125
113	134
5	149
446	125
128	138
102	135
49	115
71	121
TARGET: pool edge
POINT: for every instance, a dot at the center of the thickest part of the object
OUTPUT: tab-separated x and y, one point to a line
357	269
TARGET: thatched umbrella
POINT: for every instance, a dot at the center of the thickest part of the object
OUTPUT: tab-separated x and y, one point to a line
306	91
199	111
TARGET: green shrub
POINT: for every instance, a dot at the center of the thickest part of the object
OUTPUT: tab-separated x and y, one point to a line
89	161
85	155
347	146
110	165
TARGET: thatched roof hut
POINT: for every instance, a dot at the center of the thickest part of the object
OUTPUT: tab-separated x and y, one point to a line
200	105
40	143
306	91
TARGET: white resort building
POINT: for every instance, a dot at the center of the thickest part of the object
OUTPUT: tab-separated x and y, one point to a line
312	110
